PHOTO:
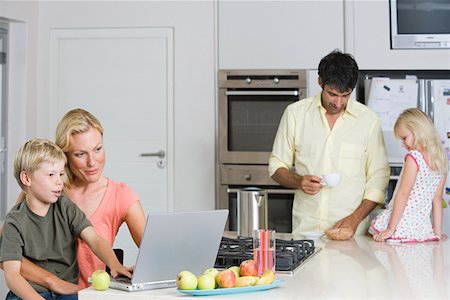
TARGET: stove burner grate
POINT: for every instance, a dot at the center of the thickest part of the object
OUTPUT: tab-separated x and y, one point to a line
289	253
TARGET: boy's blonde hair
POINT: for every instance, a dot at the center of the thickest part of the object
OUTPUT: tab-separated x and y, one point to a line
73	122
34	152
425	137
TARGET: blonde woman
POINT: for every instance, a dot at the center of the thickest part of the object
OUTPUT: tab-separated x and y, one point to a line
415	214
107	204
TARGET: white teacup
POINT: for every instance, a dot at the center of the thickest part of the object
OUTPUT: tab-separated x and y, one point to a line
331	179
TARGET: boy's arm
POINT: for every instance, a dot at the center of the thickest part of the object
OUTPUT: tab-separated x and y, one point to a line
103	250
16	283
42	277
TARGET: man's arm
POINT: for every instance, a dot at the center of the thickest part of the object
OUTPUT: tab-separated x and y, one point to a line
360	213
16	283
309	184
103	250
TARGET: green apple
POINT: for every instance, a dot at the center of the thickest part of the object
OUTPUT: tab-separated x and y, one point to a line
186	280
100	280
235	270
211	271
206	282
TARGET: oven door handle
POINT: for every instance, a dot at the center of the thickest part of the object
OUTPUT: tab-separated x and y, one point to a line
262	93
269	191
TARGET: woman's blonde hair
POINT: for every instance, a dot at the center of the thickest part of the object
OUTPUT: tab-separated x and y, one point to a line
425	137
74	122
34	152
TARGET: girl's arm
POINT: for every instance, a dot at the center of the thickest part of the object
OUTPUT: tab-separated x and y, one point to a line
135	219
401	198
16	283
103	250
437	208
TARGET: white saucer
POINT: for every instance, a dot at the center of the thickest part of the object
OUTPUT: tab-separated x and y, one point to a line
312	234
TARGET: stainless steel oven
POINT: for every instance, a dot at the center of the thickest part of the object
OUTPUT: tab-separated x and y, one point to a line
280	200
251	103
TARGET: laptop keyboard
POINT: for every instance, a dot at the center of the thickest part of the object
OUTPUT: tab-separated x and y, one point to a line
122	279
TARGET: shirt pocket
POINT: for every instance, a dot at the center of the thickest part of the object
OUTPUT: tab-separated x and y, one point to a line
351	159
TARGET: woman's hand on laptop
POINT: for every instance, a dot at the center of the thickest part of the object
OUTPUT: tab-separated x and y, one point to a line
119	269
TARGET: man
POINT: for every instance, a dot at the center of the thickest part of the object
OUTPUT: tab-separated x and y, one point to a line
331	133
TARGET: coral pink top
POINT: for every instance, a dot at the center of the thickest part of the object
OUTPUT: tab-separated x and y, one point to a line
106	221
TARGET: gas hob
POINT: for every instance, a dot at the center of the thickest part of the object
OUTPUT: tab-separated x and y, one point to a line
290	254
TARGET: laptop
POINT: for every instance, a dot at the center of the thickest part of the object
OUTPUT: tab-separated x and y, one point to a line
173	242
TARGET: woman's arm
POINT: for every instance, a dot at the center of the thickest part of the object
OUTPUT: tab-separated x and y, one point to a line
40	276
135	219
401	198
16	283
437	208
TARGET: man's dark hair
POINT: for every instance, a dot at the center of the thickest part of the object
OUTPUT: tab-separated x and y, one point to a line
339	71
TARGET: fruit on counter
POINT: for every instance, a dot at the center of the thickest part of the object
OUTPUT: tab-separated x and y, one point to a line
100	280
226	279
206	282
248	267
267	277
212	271
339	234
186	280
246	281
236	271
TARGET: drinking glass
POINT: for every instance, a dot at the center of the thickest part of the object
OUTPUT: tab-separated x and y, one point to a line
264	249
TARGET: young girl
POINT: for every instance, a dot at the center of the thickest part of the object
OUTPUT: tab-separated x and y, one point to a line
415	214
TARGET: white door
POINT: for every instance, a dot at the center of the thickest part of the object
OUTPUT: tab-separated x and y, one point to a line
3	171
125	78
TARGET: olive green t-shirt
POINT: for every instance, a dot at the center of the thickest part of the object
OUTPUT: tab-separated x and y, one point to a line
46	241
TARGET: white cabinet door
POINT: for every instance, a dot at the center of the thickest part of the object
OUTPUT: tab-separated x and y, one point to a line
125	78
282	34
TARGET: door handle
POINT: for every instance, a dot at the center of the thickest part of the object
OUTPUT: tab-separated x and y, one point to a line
160	154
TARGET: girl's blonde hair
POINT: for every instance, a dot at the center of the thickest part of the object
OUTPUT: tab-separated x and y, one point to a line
425	137
34	152
74	122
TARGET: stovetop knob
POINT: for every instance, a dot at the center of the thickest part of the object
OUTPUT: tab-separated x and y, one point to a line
248	80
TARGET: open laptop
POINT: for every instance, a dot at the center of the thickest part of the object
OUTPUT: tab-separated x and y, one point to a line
173	242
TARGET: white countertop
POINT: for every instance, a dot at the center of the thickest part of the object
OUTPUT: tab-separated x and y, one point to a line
355	269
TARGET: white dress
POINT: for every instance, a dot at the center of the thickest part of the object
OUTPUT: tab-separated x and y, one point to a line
416	223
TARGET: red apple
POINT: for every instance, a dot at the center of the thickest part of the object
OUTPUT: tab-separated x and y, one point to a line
226	279
248	267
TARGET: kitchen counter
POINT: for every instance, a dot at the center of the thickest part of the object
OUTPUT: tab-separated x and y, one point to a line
355	269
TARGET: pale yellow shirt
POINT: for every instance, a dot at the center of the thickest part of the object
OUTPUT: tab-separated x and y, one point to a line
354	148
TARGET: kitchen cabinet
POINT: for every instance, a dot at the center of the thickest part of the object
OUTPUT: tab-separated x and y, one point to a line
369	34
372	271
278	34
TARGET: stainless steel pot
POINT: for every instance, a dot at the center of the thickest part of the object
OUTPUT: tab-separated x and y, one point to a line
251	211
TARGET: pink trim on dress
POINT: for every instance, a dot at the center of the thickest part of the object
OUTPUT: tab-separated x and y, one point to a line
410	155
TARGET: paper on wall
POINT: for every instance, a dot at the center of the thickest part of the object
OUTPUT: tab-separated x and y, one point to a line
389	97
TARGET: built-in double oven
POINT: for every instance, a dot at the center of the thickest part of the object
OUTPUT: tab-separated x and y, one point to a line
251	103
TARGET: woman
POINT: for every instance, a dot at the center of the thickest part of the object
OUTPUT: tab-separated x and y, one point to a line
107	204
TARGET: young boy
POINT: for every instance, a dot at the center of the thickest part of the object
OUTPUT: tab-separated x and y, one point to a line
44	227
